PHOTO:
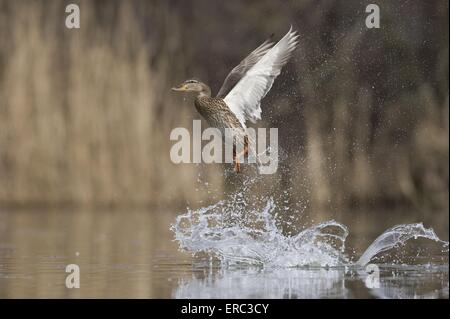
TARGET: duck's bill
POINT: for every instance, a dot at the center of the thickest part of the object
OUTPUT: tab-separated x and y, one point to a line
179	89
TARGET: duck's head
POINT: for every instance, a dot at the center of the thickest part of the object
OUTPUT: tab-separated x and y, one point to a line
193	85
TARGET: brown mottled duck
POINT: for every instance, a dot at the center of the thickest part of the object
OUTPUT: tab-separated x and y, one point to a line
240	96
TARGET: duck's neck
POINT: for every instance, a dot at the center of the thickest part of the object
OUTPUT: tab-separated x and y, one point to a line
205	92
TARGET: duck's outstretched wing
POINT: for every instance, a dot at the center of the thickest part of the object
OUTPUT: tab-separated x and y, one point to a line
240	70
245	98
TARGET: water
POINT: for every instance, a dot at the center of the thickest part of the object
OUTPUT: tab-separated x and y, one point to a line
238	236
245	230
257	259
126	253
246	245
339	282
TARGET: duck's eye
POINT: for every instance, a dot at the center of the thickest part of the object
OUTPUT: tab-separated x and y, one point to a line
191	81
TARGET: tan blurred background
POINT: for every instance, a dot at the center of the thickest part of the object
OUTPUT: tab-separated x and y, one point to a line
85	115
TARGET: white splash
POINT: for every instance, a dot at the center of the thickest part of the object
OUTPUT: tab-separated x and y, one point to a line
397	236
239	233
253	237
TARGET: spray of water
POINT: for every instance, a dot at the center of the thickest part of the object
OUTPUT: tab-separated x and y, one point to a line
398	236
239	233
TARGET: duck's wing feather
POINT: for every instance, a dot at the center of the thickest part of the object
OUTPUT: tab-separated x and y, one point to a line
245	98
240	70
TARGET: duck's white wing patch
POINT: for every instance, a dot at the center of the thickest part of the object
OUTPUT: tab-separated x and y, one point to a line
245	98
240	70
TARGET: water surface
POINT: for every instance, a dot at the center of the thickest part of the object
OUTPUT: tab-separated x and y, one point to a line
132	254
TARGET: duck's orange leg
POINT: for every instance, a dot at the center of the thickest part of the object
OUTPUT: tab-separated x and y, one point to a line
237	164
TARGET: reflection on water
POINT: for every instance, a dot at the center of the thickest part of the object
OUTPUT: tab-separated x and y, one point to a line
259	283
131	254
416	282
413	282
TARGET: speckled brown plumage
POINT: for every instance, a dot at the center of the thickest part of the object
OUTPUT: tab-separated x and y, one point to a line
218	115
216	112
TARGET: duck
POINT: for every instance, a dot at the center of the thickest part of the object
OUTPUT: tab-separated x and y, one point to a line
239	98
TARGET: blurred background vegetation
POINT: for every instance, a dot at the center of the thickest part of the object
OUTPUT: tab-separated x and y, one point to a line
363	114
